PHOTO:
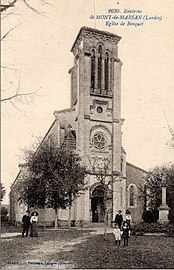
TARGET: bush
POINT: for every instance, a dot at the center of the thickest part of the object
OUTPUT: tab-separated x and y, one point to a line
6	227
141	228
171	215
150	216
4	212
170	230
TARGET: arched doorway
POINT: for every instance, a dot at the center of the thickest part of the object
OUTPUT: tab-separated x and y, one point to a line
97	204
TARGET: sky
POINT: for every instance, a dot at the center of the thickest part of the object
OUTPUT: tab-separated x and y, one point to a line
36	56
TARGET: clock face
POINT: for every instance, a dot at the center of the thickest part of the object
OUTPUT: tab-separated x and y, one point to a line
99	141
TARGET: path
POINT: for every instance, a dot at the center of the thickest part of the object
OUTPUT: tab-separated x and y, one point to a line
40	254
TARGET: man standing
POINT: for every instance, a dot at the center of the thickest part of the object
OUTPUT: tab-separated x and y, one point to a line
119	219
26	223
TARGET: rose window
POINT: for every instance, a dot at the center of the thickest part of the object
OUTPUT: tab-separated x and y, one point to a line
99	141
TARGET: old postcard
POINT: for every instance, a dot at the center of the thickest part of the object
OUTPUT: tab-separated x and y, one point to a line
87	122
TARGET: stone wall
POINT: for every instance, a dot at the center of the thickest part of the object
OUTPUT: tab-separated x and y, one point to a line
135	177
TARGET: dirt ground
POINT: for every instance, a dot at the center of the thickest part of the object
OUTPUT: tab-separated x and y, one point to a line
85	248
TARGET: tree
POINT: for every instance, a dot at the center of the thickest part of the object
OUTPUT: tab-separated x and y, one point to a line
172	134
32	191
54	178
154	186
6	5
2	191
4	212
102	170
16	95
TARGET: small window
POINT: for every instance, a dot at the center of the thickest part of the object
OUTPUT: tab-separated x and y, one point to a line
99	109
121	164
132	195
106	71
121	196
99	67
93	69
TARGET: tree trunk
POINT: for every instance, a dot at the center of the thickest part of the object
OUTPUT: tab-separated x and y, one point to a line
56	218
105	225
44	218
105	217
70	204
69	220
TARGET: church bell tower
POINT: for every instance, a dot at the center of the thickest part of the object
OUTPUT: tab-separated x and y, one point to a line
96	96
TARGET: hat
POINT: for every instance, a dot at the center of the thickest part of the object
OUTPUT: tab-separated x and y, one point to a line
125	222
128	211
119	211
34	213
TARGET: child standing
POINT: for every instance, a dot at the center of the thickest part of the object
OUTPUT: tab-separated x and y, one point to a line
117	233
126	233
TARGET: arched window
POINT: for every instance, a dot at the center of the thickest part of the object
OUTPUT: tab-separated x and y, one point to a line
132	195
106	71
99	66
93	69
100	71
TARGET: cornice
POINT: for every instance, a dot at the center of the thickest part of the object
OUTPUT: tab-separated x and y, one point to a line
103	94
87	32
116	59
63	111
102	121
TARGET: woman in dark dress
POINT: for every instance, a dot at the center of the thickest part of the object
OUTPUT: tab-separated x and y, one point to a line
34	221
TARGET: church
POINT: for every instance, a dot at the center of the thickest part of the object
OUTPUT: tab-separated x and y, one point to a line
92	126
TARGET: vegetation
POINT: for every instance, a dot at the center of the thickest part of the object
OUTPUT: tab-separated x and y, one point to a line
155	179
150	216
53	179
4	212
11	4
2	191
141	228
15	95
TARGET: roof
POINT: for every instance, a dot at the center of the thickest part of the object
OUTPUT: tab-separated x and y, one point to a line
23	165
16	179
64	111
136	167
95	31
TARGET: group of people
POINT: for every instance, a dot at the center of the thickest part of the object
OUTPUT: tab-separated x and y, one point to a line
28	222
122	227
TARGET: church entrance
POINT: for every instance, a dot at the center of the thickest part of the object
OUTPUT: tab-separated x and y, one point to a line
97	204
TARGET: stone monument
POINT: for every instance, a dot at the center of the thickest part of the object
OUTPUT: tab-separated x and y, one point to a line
163	209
